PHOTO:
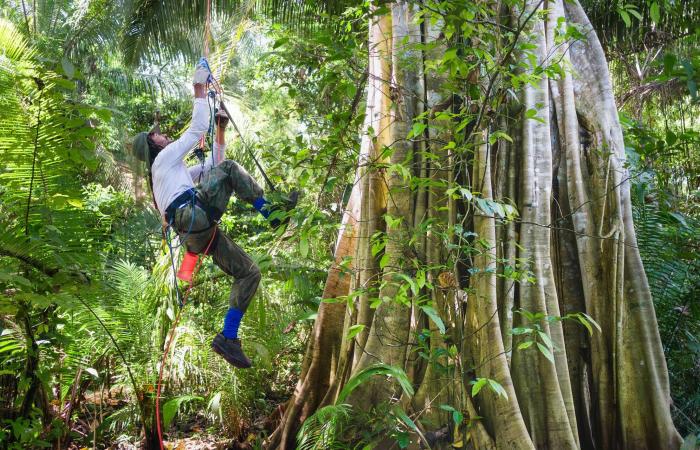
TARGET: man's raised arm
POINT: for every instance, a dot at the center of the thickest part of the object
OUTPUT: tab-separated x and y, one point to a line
176	150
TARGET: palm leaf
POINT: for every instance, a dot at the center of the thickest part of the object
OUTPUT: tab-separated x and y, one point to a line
168	30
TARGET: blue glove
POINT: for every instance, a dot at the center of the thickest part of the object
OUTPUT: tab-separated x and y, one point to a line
203	63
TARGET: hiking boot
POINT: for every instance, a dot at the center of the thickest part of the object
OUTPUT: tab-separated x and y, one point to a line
231	351
285	203
289	202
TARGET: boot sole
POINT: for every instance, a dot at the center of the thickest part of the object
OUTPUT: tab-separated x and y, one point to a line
234	362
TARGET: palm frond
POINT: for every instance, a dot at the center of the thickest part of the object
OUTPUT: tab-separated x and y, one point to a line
174	29
633	26
669	247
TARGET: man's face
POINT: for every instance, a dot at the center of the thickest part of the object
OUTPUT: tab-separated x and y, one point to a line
160	140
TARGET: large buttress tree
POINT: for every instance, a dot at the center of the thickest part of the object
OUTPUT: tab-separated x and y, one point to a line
488	232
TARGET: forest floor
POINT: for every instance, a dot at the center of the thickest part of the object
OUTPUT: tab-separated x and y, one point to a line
189	431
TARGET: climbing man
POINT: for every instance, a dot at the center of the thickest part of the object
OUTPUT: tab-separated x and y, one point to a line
193	211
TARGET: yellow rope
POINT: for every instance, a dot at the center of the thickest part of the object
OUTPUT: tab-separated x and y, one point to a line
207	30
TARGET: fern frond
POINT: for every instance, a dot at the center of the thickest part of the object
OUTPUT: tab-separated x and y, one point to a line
323	429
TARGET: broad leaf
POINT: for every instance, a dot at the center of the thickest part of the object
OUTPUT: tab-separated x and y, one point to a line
377	369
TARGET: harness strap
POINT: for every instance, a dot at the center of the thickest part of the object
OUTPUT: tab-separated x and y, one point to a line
190	197
213	215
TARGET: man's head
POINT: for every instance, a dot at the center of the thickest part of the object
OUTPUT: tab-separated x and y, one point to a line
147	145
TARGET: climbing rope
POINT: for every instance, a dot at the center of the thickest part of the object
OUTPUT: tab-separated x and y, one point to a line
207	30
171	334
248	148
219	92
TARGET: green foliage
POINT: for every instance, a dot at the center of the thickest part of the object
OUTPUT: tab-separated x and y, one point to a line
492	384
80	256
324	429
172	407
668	243
627	26
537	336
377	369
24	433
173	29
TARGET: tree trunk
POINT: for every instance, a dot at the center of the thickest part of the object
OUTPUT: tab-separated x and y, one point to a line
449	248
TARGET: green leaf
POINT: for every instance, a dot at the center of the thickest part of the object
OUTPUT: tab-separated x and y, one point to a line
520	330
304	246
411	282
9	347
402	439
496	135
457	416
524	345
417	130
68	67
420	279
449	55
435	317
670	61
172	406
480	383
354	331
378	369
401	414
66	84
546	352
103	114
384	261
546	339
591	320
585	323
654	12
15	279
452	351
625	17
635	13
308	315
280	42
498	388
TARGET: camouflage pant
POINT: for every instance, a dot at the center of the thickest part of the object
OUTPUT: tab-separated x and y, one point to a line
215	189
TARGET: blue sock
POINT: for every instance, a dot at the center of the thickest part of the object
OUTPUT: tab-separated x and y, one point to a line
260	204
231	323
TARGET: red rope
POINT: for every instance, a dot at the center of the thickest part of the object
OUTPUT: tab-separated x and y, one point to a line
166	352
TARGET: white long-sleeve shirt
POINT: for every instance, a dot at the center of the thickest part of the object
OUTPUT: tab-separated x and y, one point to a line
171	177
